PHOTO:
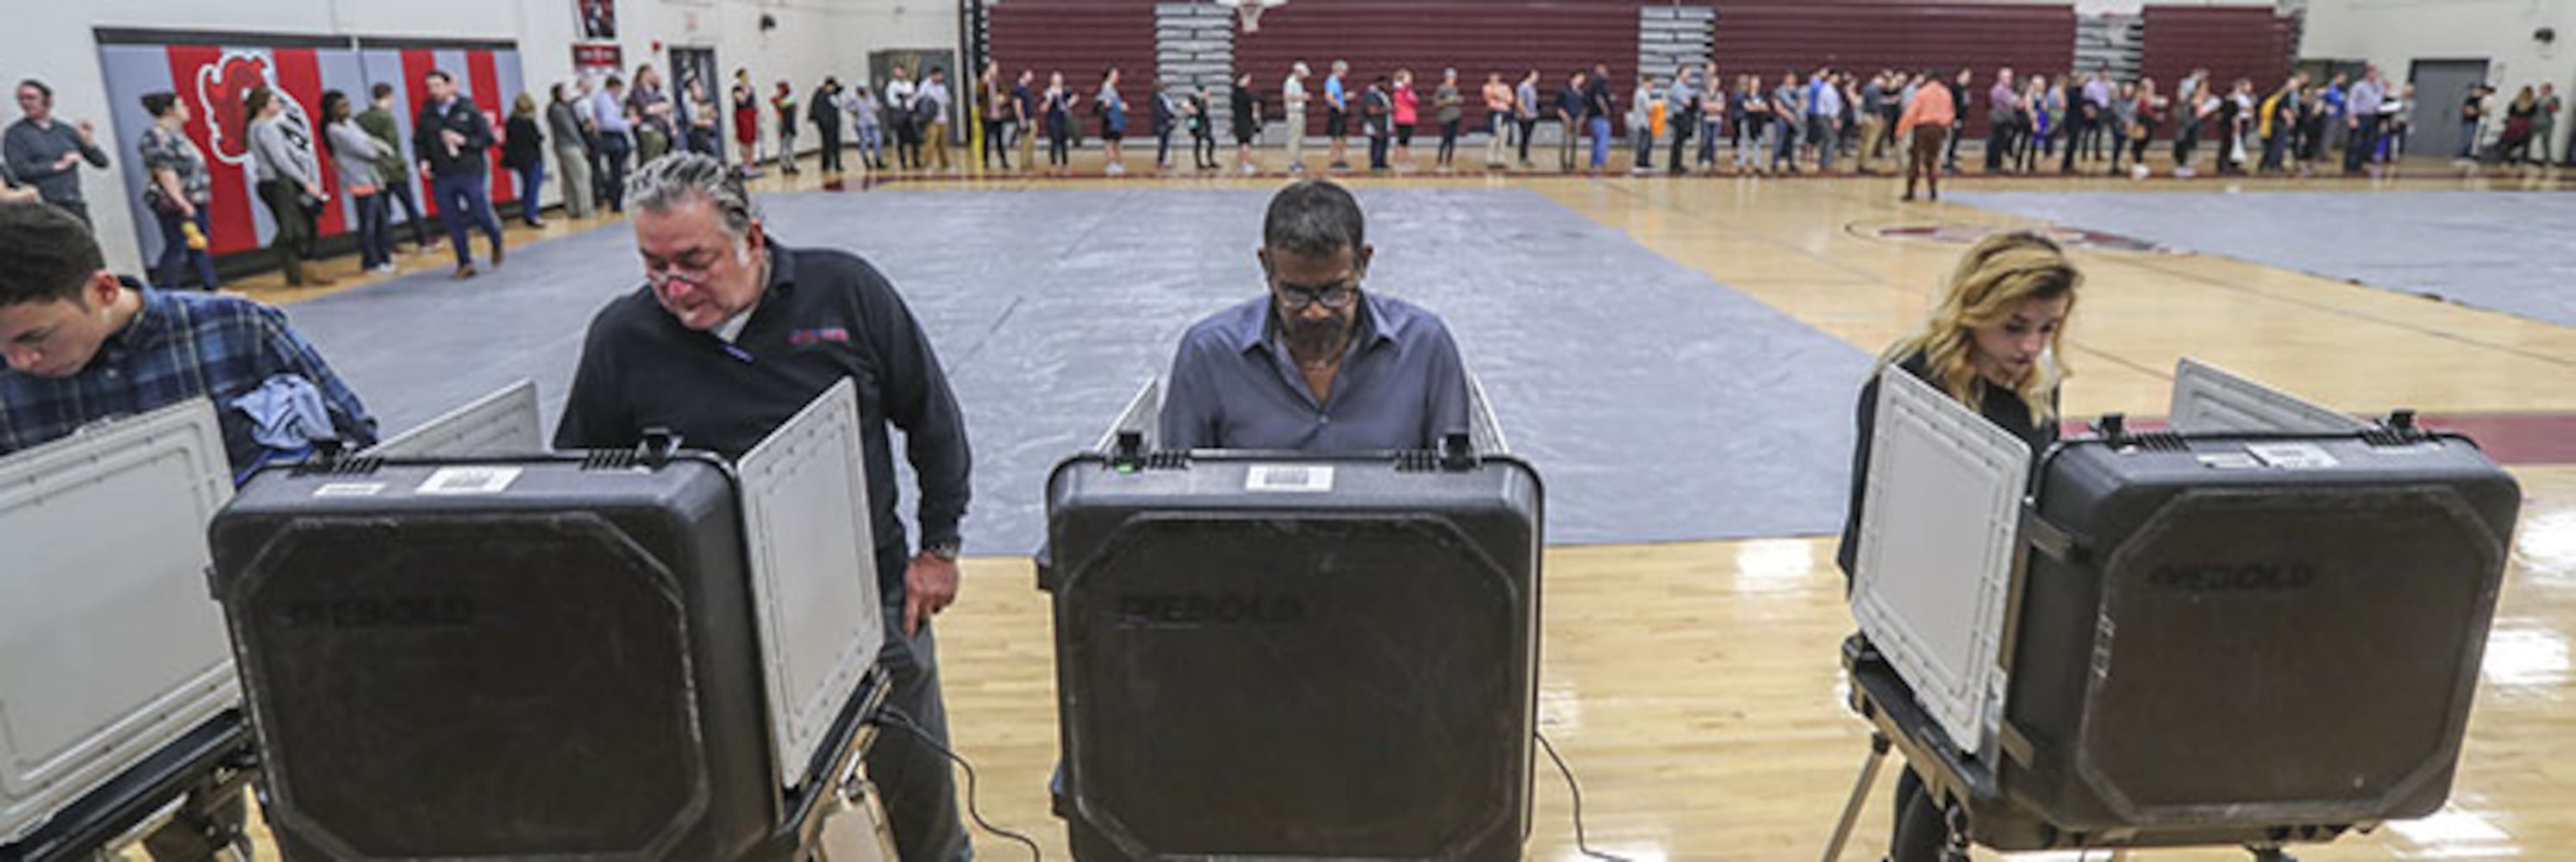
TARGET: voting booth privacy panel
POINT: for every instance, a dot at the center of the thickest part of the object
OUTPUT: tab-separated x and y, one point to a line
1284	655
2264	625
110	653
648	654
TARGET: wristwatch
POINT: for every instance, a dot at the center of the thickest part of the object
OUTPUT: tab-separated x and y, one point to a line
944	550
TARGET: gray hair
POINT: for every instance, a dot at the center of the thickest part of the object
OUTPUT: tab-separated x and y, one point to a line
681	177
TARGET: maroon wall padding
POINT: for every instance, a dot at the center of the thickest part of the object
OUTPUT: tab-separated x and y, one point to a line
2231	42
1379	36
1768	37
1082	39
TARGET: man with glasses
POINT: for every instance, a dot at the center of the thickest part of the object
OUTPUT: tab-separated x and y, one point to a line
1316	364
731	334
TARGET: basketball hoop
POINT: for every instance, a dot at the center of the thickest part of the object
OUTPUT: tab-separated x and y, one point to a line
1247	13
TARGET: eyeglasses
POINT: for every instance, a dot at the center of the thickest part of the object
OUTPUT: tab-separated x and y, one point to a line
1336	296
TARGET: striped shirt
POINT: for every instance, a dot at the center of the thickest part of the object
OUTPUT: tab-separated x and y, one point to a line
179	346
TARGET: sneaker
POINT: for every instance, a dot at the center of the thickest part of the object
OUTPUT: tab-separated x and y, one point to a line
1114	169
382	269
462	273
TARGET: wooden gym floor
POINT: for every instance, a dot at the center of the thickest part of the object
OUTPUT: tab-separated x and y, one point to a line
1694	687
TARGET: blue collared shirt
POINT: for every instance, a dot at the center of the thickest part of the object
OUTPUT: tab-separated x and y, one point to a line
180	346
1234	386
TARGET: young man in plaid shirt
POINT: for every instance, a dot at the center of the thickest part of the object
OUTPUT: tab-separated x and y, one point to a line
85	345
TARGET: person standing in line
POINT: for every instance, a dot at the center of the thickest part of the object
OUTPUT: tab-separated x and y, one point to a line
746	122
1337	117
657	130
1927	121
586	117
1825	105
824	112
572	150
523	152
46	153
999	121
1448	106
1245	105
782	103
616	126
2003	121
933	104
1753	125
1113	122
2544	123
867	120
703	137
2152	112
1599	107
1498	120
1681	107
1167	111
1961	97
1292	99
1407	113
451	139
2276	123
1570	110
1641	126
178	193
2513	144
1788	121
1712	112
1026	117
898	119
1202	128
395	169
1525	109
2473	115
2124	123
1377	118
1059	123
353	157
288	181
1873	123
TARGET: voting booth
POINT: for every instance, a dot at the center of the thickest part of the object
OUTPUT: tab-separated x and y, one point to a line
117	694
2262	626
451	649
1281	655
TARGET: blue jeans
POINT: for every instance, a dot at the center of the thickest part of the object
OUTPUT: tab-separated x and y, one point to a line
872	145
532	179
175	252
375	245
1600	142
462	198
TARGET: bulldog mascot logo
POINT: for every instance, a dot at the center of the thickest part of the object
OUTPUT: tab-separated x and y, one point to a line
220	88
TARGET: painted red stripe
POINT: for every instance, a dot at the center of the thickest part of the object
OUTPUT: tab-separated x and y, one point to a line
417	63
486	79
230	214
299	72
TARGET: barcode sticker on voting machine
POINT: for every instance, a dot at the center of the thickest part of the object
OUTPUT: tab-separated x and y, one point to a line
1289	478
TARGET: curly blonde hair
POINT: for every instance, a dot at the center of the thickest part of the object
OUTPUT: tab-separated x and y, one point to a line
1998	275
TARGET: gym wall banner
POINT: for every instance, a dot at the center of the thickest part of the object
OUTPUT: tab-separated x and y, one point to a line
211	72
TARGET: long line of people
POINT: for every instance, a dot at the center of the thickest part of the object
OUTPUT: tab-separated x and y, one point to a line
597	128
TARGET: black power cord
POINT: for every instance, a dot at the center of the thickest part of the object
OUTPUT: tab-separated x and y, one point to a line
1576	790
892	717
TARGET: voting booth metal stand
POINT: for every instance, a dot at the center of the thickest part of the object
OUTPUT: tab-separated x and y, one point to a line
1963	566
765	566
1227	688
119	712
